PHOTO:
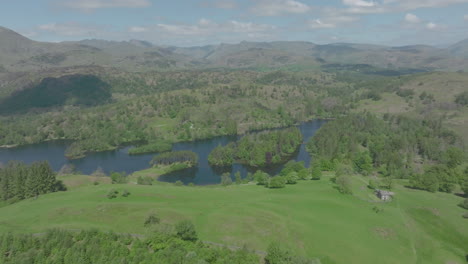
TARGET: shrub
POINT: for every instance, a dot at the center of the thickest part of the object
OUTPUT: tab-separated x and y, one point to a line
277	182
261	177
178	183
144	180
186	230
125	193
112	194
291	178
344	184
152	219
226	179
316	172
464	204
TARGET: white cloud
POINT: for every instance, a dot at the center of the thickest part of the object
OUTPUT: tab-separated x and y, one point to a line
222	4
137	29
434	26
317	24
279	7
414	4
69	29
359	3
96	4
412	18
206	27
332	20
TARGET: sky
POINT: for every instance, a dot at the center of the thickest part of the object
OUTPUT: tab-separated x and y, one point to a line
204	22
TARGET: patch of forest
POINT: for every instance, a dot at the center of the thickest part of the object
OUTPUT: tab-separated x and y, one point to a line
19	181
258	150
396	147
86	90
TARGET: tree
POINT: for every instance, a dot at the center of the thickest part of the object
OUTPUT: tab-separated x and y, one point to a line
186	230
152	219
226	179
277	182
363	163
453	157
261	177
316	172
277	255
118	178
238	177
344	184
303	174
291	178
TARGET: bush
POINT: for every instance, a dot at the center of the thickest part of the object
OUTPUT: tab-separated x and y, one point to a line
178	183
118	178
303	174
125	193
226	179
152	219
261	177
144	180
291	178
464	204
344	184
112	194
277	182
186	230
95	183
316	172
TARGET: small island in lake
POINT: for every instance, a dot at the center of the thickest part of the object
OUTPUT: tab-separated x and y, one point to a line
258	150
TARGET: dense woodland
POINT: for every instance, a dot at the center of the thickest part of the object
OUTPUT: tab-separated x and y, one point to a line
19	181
175	245
261	149
395	147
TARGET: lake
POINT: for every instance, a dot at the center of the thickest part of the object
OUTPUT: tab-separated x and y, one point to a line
120	161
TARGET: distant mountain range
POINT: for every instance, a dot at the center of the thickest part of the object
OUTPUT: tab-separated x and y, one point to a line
20	54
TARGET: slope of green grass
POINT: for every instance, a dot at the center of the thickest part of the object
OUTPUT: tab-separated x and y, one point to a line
311	218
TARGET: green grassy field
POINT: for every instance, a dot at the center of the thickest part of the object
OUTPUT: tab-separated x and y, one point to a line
311	217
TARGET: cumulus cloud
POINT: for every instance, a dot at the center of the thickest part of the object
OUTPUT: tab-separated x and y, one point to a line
332	20
317	24
359	3
412	18
69	29
96	4
431	26
137	29
206	27
279	7
414	4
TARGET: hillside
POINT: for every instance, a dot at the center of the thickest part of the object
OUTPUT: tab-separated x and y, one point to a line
18	53
311	218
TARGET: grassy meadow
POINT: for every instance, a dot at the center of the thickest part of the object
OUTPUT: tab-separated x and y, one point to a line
312	218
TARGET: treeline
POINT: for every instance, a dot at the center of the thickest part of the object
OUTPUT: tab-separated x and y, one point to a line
89	247
259	149
19	181
158	146
177	244
395	147
168	158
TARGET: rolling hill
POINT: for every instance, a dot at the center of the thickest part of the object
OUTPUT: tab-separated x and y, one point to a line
18	53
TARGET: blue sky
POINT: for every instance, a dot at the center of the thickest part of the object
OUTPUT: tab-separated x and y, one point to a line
194	23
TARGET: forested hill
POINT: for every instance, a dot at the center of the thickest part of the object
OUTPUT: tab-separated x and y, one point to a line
17	53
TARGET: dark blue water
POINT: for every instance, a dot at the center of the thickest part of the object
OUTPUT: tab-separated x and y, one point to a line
120	161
